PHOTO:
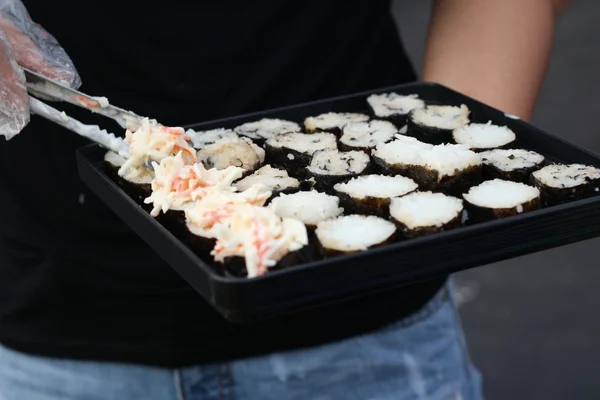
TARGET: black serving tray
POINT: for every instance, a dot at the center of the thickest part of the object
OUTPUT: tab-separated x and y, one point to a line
385	268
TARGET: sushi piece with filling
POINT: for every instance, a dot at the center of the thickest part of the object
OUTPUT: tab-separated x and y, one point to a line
562	183
266	128
424	213
153	142
435	124
332	122
366	135
201	139
255	240
510	164
205	214
239	152
450	168
329	167
293	151
349	234
276	180
135	181
393	106
310	207
499	199
480	137
371	194
176	186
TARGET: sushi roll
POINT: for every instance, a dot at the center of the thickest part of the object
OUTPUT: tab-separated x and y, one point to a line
332	122
153	142
449	168
276	180
480	137
177	186
254	240
371	194
201	139
435	124
329	167
266	128
366	135
394	107
424	213
562	183
511	165
136	181
310	207
203	215
499	198
293	151
349	234
239	152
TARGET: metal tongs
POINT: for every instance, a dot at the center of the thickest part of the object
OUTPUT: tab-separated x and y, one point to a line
43	87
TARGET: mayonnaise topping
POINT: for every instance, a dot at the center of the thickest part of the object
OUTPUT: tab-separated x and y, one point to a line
217	207
260	236
154	142
176	183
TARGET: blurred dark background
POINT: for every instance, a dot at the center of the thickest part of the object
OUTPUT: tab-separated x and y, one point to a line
532	323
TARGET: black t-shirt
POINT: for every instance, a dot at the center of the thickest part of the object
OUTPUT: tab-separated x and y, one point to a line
74	280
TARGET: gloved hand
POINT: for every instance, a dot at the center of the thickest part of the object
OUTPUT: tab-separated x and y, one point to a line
25	44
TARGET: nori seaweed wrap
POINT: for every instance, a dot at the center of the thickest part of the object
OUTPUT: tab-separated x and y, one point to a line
424	213
498	198
371	194
394	107
563	183
435	124
329	167
510	164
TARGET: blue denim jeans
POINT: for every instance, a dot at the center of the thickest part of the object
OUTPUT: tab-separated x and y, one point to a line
423	357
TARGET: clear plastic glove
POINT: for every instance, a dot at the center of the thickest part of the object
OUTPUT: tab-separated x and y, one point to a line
25	44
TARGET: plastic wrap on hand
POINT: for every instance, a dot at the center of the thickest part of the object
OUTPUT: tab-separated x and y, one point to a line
36	49
14	101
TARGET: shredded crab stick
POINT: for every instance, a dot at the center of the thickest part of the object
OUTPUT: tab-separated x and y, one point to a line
176	183
154	142
259	236
217	207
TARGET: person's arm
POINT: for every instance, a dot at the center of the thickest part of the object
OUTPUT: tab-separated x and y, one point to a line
495	51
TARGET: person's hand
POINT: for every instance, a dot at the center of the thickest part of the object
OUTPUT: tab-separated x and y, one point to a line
24	43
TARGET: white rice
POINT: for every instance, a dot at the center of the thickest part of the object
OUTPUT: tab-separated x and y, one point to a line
238	153
334	162
354	232
509	160
389	104
499	193
378	186
368	134
267	128
202	139
425	209
484	136
307	143
560	176
332	120
274	179
310	207
446	159
404	150
441	117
